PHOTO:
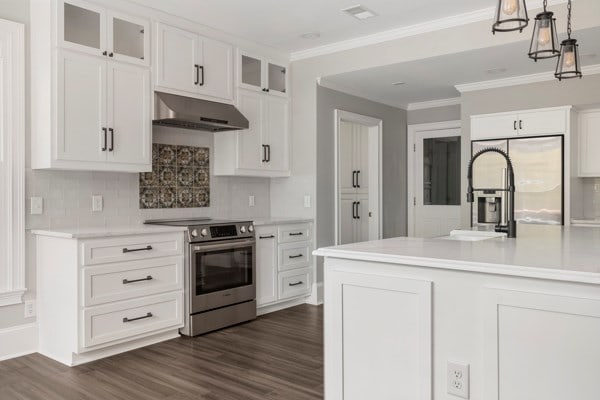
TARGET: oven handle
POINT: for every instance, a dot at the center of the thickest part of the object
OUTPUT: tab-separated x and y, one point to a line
227	245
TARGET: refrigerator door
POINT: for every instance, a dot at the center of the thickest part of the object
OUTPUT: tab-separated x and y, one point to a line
489	173
538	165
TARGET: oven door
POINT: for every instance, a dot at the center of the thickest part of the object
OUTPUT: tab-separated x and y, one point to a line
222	274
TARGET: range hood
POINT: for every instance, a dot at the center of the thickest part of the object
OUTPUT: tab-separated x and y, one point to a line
202	115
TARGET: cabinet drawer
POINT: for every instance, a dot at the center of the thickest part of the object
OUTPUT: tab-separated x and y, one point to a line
129	248
115	282
126	319
294	233
294	283
294	255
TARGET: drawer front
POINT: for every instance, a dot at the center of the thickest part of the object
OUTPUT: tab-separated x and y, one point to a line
294	283
294	255
294	233
132	318
129	248
115	282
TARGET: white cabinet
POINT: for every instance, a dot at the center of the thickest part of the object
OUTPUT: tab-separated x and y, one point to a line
266	265
589	143
263	148
354	218
189	64
550	121
261	74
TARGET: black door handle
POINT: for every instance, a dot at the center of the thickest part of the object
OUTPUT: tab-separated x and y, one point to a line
127	281
147	248
357	210
353	179
353	210
148	315
201	68
197	81
520	124
112	139
104	146
357	179
264	157
268	153
515	125
296	234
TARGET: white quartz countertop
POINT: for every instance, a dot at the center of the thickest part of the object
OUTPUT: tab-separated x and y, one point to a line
547	252
85	233
280	221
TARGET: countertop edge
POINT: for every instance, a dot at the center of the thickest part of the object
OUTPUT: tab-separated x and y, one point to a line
283	221
105	232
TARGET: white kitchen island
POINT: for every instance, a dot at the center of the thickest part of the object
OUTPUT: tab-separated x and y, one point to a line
523	314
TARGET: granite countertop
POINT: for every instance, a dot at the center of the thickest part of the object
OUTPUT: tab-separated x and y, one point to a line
85	233
548	252
280	221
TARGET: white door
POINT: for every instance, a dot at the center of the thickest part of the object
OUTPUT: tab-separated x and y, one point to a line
363	217
437	195
251	154
81	133
216	78
276	129
347	219
266	265
346	169
362	146
177	61
129	114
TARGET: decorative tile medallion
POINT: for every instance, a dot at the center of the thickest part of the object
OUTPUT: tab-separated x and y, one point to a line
180	178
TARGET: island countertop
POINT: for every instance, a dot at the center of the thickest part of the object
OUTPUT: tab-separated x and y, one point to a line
546	252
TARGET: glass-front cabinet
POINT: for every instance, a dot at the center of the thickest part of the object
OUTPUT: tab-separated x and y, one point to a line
85	27
258	73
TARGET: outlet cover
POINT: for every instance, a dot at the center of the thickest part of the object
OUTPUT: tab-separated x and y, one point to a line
306	201
458	380
251	200
37	205
97	203
29	308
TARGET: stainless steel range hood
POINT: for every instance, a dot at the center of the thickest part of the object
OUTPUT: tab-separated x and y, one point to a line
190	113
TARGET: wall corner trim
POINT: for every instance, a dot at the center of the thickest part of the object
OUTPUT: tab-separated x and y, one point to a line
18	341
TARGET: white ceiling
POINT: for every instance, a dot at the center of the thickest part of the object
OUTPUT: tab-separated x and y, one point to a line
280	23
435	78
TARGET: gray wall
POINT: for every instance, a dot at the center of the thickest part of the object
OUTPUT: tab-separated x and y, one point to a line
393	161
431	115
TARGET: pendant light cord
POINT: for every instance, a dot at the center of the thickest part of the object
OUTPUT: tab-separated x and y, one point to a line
545	5
568	18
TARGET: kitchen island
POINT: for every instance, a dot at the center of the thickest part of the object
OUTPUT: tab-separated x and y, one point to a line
520	316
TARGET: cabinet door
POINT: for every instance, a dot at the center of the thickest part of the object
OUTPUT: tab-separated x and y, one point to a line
362	222
251	72
250	141
346	171
177	55
81	108
276	121
495	126
129	38
129	117
549	122
82	26
266	265
589	142
216	78
347	221
276	79
361	142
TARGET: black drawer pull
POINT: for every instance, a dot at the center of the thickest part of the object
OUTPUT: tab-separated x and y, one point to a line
267	237
298	256
126	250
296	234
295	284
127	281
148	315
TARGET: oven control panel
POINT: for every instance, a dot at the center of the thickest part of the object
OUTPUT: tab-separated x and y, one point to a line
224	231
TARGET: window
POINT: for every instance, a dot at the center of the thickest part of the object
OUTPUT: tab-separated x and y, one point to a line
441	171
12	163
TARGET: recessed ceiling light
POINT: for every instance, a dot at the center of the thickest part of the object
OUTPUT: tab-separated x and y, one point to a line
359	12
495	71
399	83
311	35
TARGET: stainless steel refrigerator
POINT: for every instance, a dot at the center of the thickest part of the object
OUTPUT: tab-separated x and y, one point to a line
539	173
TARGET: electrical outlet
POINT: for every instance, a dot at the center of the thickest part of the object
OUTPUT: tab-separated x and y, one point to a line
251	200
37	205
97	203
306	201
29	308
458	379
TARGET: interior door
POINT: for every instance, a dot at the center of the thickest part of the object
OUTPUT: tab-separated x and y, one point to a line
362	157
347	219
346	168
363	218
437	182
129	114
81	107
250	142
177	58
277	134
217	69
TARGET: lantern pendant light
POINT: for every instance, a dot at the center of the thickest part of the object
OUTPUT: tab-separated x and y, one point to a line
544	42
569	65
511	15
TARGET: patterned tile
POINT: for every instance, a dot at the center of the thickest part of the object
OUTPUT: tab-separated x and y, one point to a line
167	198
168	176
185	176
201	177
185	197
167	155
149	197
185	156
201	156
201	197
149	179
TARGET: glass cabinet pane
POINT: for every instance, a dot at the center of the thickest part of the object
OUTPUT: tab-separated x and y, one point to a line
81	26
251	71
441	171
128	38
277	78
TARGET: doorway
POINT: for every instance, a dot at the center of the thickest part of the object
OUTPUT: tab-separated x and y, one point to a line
434	179
357	187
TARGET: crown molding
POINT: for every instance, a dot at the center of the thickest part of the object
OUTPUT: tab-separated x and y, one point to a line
520	80
407	31
355	92
433	104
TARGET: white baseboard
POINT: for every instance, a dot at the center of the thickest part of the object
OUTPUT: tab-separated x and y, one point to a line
18	341
280	306
316	297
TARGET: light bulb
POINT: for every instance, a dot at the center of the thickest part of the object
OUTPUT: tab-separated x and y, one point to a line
544	36
509	7
569	60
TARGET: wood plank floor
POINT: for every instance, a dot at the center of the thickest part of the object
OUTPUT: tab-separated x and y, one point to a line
277	356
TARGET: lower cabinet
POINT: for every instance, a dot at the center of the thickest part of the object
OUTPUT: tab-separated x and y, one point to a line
283	263
95	301
354	218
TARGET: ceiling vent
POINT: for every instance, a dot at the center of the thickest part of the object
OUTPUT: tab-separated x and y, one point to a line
359	12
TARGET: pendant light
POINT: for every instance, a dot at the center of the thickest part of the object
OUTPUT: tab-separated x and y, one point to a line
569	65
511	15
544	42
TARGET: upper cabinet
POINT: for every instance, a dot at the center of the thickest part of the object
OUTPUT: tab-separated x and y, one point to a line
189	64
589	143
85	27
259	73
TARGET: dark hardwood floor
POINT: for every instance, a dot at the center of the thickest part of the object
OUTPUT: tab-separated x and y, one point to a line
277	356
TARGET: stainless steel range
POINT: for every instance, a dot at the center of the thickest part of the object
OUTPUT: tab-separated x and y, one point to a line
220	284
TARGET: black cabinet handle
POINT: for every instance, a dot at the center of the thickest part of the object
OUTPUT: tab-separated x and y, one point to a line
295	284
515	125
197	74
267	237
297	256
296	234
520	124
268	153
112	139
201	68
127	281
104	146
104	53
353	210
357	178
126	250
357	210
353	179
110	54
264	157
148	315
